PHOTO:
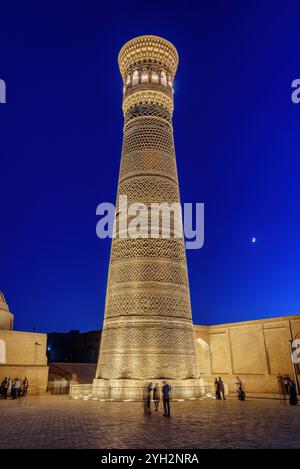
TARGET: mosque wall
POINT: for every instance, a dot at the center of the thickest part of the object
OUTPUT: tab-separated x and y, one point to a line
256	351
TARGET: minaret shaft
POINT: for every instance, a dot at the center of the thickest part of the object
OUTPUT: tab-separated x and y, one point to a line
147	332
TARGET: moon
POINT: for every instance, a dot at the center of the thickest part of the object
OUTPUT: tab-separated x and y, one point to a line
253	240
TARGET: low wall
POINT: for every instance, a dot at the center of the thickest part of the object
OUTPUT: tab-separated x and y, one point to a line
101	390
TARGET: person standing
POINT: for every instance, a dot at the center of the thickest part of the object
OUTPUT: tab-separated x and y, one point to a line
239	387
221	388
156	396
287	380
217	392
4	387
14	391
9	387
20	390
166	399
15	388
293	393
25	386
148	399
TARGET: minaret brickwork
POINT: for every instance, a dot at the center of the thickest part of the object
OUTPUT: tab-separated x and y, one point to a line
147	332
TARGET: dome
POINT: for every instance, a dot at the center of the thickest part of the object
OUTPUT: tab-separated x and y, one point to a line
3	304
6	317
2	298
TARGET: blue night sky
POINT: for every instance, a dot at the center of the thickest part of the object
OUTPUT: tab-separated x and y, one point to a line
237	145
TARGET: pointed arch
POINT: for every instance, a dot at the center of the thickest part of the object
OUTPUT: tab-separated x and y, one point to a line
2	351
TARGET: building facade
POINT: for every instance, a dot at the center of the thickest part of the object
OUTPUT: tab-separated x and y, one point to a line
255	351
22	354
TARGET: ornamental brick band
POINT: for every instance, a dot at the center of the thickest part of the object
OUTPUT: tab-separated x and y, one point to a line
148	332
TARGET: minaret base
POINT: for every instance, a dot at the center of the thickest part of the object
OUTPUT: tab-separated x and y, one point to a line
135	390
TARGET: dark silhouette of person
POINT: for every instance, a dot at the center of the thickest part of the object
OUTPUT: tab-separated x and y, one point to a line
25	386
166	399
15	388
217	392
240	391
9	386
156	396
148	398
287	380
4	388
293	393
221	388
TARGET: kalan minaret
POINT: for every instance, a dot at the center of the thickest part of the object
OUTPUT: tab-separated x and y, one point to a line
147	333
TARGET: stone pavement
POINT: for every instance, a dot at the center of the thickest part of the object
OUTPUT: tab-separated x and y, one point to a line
59	422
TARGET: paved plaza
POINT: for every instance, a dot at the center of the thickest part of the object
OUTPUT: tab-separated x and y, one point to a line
59	422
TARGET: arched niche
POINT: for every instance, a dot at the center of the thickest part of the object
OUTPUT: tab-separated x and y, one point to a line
246	353
203	356
2	351
279	357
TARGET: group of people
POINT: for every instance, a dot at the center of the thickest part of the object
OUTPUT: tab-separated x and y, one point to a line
287	389
155	392
220	389
13	388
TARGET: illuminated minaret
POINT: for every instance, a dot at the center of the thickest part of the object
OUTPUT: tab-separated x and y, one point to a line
147	332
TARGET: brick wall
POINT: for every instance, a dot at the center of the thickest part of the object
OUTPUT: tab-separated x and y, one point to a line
256	351
24	354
